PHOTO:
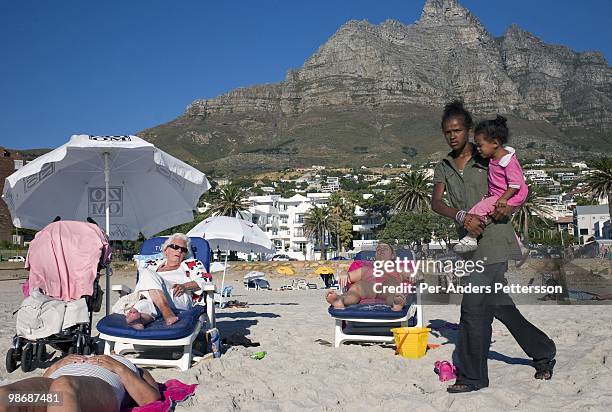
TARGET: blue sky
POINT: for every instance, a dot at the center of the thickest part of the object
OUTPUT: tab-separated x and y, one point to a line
117	67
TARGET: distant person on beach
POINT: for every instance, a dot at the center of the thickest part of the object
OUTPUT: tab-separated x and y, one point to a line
86	383
506	183
168	285
572	294
462	175
365	287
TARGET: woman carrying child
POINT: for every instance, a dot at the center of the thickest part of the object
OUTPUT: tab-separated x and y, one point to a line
462	175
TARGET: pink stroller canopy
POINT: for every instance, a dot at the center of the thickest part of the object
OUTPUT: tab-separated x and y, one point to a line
63	259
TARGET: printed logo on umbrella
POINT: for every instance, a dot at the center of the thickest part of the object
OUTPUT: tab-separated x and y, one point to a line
97	201
110	138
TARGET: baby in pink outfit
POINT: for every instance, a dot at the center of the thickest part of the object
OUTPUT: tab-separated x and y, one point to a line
507	185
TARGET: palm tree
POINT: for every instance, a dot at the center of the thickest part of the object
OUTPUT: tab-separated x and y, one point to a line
413	193
231	202
533	208
318	221
342	211
599	181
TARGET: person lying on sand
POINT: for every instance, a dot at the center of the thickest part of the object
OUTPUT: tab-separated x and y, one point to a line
364	285
573	294
86	383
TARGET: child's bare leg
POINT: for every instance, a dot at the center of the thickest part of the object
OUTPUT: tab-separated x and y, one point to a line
159	299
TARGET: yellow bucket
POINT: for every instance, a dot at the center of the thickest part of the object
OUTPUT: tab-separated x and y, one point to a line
411	342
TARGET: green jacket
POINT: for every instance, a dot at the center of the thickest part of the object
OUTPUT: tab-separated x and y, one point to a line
498	242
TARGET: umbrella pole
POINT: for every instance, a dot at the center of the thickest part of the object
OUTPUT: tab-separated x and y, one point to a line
223	279
107	221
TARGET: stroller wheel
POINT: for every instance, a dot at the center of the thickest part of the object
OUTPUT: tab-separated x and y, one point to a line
71	350
26	358
41	352
87	350
11	362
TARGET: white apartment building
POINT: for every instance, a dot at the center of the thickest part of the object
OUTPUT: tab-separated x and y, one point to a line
586	218
531	173
318	198
566	176
222	181
263	211
283	219
547	182
371	178
580	165
555	207
332	184
363	230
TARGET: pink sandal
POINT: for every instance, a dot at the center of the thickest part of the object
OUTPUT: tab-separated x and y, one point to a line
446	371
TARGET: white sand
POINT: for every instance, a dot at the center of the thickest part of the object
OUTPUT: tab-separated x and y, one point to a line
301	374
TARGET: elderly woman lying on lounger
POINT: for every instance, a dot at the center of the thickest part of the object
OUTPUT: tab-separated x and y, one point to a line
365	287
84	383
167	286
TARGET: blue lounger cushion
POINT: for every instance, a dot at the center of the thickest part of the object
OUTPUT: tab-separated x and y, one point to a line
115	325
368	311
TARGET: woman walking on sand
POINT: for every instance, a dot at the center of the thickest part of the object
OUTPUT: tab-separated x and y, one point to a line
463	176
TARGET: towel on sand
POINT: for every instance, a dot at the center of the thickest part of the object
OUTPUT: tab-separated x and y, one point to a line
172	391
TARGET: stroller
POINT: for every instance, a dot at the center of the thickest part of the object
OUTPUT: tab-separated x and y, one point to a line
62	292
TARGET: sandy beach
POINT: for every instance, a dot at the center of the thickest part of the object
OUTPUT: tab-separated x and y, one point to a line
302	371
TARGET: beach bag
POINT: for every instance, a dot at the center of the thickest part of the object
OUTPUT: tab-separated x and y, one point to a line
39	316
96	304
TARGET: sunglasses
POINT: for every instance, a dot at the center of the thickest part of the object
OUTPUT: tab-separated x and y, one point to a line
177	247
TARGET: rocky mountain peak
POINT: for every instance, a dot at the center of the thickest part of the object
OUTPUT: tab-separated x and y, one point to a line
439	12
518	35
358	87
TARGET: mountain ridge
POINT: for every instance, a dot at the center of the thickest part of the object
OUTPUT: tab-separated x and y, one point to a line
374	92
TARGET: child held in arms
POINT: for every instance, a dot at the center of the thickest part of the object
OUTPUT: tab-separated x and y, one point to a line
506	182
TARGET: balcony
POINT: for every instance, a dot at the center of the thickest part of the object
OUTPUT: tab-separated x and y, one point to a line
365	244
364	227
280	235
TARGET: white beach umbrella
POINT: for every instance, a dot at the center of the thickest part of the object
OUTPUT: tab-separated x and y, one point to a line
230	233
128	182
217	267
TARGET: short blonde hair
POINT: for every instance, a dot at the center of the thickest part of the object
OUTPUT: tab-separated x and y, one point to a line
181	236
